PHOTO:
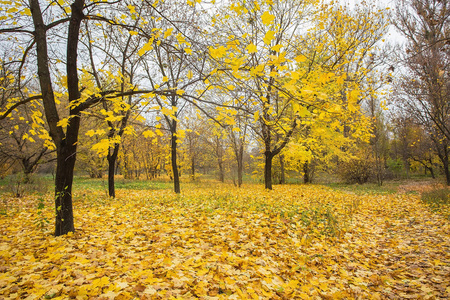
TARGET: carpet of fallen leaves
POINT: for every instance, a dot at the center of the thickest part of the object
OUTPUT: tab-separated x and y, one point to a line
220	242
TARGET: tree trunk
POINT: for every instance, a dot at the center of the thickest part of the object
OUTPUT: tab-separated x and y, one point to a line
66	156
240	164
193	168
268	170
173	150
66	144
306	177
221	172
446	167
112	158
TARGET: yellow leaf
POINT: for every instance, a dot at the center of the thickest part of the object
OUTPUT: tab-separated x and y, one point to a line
189	75
231	87
276	48
300	58
267	18
168	32
133	32
100	282
180	92
217	53
256	115
188	50
63	123
269	37
148	133
147	47
251	48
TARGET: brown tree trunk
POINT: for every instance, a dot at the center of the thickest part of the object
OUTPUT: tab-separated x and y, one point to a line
65	164
240	164
306	177
173	151
112	159
66	144
268	170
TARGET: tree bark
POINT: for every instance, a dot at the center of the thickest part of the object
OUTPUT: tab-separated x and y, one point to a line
173	151
268	170
112	159
66	154
306	177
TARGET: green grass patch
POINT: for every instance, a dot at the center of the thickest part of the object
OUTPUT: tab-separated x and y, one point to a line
438	200
387	188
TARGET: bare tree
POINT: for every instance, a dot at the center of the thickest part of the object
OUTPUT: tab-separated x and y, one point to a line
424	89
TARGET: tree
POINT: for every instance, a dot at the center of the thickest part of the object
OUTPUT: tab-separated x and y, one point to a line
41	31
176	62
423	90
120	54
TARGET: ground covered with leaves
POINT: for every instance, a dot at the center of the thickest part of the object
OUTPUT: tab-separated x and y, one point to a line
221	242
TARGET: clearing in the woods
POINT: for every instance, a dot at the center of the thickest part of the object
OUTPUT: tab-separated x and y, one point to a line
220	242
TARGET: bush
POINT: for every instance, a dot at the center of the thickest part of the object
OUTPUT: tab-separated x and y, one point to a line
355	171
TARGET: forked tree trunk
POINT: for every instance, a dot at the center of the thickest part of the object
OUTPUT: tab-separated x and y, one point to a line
66	144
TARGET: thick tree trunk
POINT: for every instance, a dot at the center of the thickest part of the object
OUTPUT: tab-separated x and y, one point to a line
173	151
268	170
66	156
66	144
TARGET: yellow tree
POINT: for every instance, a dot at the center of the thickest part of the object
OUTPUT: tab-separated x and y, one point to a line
288	70
38	25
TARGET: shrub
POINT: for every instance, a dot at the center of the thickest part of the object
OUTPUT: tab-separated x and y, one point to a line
355	171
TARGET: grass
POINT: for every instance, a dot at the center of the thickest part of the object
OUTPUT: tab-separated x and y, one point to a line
367	188
438	200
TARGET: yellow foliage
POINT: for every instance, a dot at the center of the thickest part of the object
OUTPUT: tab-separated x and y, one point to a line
296	242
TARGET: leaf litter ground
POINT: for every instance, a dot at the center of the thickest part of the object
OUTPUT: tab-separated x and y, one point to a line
220	242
